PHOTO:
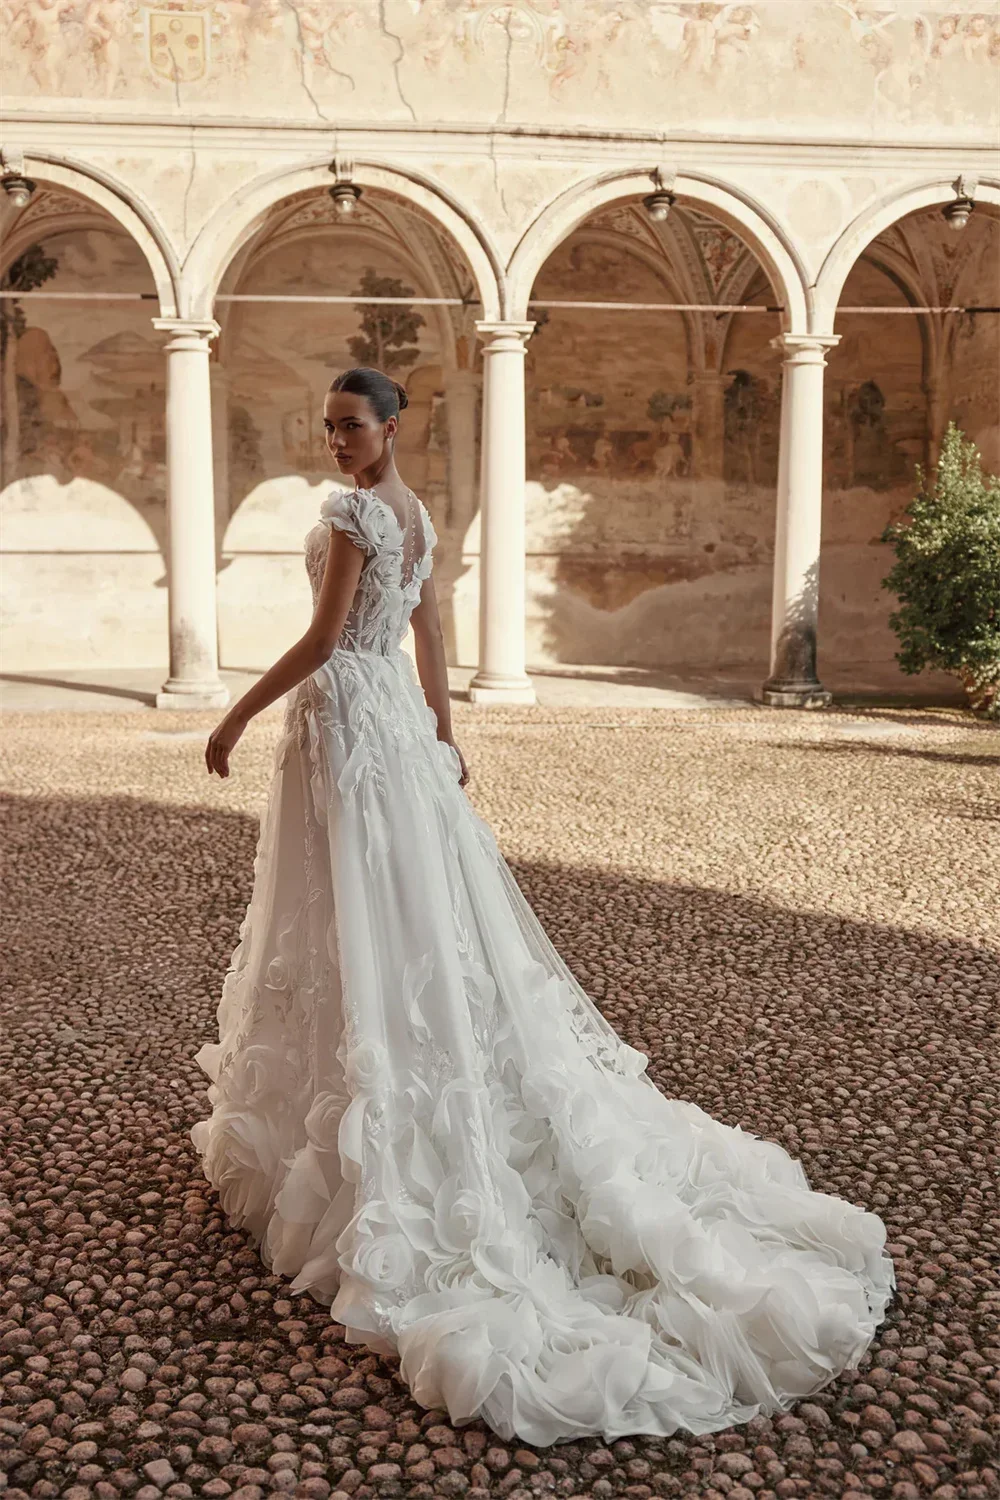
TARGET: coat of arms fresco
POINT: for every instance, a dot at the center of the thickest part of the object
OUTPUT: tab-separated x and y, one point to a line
178	42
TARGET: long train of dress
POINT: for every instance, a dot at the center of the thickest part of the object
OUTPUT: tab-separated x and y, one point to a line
424	1122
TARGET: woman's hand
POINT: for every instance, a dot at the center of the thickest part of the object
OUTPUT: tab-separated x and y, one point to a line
221	741
463	780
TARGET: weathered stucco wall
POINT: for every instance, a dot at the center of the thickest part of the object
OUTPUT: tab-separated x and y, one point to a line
847	70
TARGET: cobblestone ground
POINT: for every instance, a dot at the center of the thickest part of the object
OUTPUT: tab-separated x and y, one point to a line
795	915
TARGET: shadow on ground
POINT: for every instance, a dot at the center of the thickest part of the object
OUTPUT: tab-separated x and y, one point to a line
866	1051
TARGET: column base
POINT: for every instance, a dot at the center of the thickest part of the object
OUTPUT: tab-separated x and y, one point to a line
178	693
794	695
495	687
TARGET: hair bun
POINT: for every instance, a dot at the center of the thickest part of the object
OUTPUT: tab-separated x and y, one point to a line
404	399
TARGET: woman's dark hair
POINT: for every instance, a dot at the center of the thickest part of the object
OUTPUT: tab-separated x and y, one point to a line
387	397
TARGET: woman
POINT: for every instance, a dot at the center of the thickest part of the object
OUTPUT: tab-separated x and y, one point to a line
420	1116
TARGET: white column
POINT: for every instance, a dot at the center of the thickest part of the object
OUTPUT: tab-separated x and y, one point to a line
501	677
194	680
461	395
792	682
219	380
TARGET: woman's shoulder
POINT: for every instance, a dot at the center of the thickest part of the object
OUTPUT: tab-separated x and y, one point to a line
360	513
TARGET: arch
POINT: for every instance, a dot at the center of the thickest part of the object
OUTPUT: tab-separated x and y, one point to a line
21	236
665	274
123	205
868	225
236	221
404	256
895	270
728	204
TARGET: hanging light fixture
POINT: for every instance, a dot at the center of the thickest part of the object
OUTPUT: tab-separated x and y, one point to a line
659	202
344	192
956	213
16	185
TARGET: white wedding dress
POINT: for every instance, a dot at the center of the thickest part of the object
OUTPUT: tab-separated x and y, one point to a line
421	1118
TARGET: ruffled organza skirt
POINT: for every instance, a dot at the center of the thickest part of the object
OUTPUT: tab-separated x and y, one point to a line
423	1121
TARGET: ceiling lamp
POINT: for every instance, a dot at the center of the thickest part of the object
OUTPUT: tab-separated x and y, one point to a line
659	202
658	205
16	185
344	192
956	213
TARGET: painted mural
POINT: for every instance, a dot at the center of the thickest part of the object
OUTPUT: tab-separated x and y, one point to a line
926	66
279	359
79	406
83	447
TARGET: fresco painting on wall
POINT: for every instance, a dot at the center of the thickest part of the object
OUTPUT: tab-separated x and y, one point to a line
902	61
280	359
246	463
389	337
84	410
672	457
752	411
126	452
178	43
873	453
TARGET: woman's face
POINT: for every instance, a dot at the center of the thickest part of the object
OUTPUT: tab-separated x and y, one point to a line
354	435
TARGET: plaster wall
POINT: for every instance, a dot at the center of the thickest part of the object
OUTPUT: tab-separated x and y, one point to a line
844	70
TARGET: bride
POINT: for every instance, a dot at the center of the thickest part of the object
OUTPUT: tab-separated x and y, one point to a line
418	1114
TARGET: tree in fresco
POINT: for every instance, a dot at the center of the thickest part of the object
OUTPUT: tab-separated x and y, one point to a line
32	269
387	340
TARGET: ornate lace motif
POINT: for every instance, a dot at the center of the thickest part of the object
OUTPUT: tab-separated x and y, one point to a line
383	603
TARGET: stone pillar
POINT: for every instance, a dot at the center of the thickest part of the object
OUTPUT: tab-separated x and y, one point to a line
936	393
461	396
194	680
219	380
792	682
501	677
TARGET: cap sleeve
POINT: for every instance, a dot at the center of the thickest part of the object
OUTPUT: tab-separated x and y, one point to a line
352	511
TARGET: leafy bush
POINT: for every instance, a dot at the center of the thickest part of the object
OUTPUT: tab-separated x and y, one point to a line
947	574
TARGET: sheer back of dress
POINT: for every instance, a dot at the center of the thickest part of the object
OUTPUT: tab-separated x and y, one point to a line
414	540
398	559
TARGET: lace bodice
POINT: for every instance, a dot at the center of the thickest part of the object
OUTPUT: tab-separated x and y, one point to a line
385	599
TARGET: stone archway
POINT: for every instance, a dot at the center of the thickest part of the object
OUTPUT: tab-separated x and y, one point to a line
275	358
778	257
240	218
872	222
722	201
84	496
121	203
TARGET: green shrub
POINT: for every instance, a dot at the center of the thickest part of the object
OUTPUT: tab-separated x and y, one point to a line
947	574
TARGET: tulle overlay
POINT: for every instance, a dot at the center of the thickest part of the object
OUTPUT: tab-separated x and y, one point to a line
425	1123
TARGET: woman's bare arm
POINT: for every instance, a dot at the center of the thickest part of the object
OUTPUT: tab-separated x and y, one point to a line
340	582
432	669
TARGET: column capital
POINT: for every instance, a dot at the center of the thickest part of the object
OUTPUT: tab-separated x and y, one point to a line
504	337
805	348
188	333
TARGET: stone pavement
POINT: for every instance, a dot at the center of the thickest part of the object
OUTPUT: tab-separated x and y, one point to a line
793	914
